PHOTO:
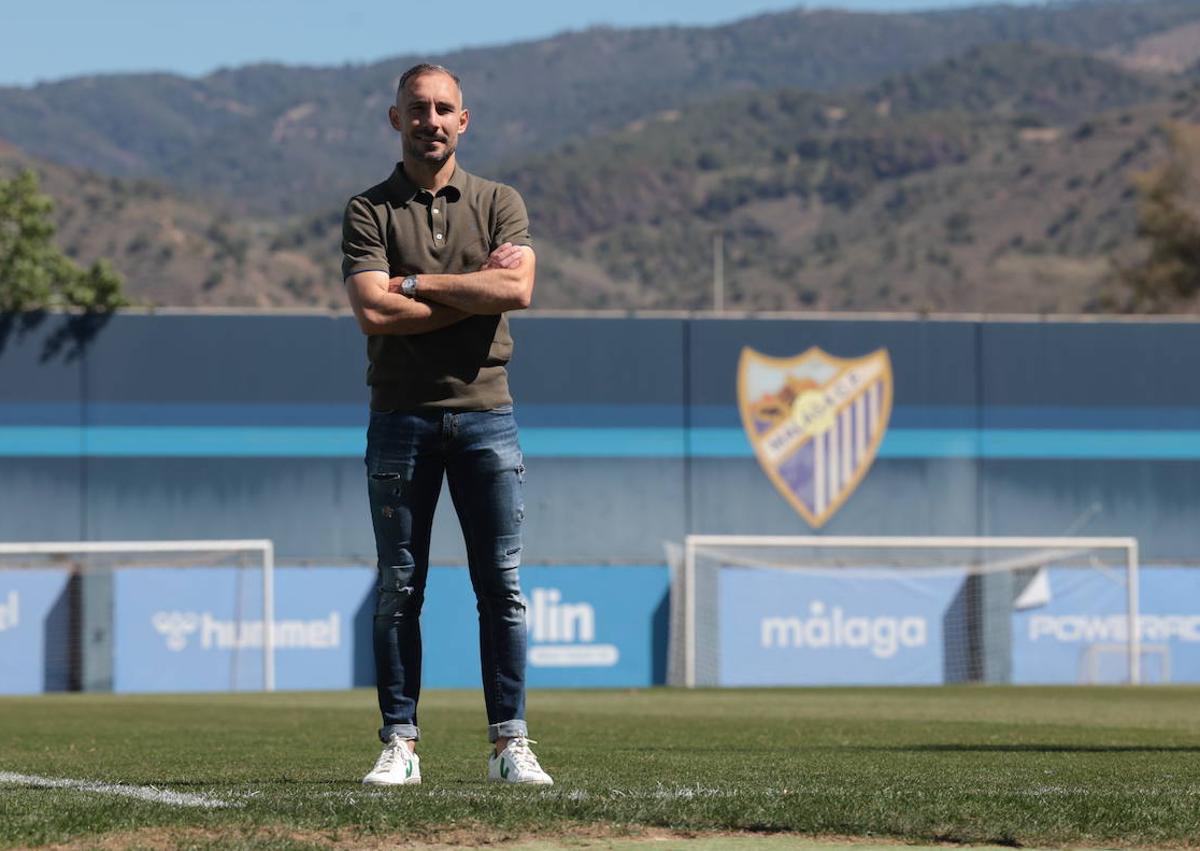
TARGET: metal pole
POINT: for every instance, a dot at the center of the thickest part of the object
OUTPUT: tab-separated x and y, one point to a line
269	617
689	613
912	542
69	547
1135	631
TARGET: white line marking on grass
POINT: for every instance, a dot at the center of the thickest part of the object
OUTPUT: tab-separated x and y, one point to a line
145	793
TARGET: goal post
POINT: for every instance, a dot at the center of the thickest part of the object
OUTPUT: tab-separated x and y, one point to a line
983	581
50	554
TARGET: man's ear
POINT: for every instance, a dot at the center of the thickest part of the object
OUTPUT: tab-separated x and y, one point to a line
464	118
394	118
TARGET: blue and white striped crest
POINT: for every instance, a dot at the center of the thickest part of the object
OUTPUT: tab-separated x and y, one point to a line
815	422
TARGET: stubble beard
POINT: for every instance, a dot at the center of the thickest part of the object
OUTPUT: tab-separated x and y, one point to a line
418	150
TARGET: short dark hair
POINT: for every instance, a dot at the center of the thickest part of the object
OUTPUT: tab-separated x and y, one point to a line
426	68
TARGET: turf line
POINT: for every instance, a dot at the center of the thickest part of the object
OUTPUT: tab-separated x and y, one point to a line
145	793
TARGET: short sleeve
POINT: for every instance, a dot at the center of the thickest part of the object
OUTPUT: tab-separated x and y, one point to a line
364	248
511	221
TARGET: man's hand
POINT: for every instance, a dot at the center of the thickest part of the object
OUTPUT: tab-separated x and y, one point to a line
507	256
504	282
381	311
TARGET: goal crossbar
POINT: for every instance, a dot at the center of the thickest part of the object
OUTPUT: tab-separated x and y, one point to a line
692	543
264	546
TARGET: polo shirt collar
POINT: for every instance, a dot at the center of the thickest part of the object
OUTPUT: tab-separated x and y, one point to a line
405	190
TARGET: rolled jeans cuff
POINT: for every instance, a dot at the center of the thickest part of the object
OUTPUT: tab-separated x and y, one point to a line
507	730
404	731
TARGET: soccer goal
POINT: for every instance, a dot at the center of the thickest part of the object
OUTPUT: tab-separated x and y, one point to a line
817	610
100	615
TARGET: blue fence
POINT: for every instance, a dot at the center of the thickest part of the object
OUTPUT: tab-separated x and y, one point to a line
893	628
181	629
634	431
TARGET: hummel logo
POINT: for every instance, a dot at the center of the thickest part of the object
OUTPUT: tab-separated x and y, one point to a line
214	634
504	768
176	626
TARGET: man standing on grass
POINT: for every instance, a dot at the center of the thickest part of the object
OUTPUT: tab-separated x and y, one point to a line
432	259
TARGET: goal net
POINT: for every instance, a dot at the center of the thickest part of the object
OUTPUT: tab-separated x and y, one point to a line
119	615
816	610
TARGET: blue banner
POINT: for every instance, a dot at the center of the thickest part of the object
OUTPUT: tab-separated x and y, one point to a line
34	631
1078	633
849	627
201	629
588	626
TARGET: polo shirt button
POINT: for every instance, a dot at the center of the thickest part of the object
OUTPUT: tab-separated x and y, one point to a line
437	236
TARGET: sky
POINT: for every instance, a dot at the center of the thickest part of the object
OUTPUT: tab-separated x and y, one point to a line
51	39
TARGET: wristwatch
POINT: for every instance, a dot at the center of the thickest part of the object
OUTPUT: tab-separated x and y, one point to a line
408	287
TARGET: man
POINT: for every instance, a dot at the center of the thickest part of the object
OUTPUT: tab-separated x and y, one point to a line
432	259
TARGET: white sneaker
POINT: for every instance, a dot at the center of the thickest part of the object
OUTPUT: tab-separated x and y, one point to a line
517	764
396	766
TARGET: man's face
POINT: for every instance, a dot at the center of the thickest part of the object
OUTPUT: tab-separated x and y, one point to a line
430	117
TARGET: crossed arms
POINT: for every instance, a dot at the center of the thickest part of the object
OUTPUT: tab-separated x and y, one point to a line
505	282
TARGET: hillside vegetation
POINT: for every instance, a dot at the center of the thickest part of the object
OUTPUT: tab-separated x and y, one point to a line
997	181
981	159
171	250
277	139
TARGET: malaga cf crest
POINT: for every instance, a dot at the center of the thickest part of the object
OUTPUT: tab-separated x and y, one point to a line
815	422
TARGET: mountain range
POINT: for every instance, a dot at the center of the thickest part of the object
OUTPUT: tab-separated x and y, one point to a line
978	159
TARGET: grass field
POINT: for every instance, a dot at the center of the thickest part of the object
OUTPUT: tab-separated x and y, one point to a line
988	765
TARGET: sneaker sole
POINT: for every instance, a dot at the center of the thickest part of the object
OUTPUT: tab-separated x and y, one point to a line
412	781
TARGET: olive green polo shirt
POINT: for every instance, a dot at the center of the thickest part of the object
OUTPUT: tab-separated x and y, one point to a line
399	228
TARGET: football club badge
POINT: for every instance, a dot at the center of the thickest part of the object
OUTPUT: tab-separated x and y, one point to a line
815	422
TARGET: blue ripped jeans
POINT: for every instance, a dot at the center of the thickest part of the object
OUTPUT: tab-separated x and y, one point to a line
407	454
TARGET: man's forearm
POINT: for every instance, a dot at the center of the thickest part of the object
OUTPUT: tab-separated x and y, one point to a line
381	312
402	316
488	291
